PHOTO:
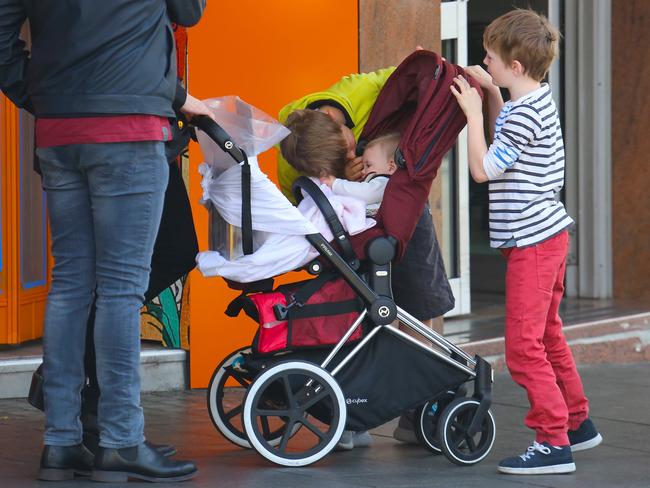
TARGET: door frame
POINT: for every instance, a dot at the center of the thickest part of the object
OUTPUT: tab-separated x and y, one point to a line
453	26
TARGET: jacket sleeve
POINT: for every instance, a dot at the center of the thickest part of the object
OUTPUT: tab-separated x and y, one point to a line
185	12
179	97
14	59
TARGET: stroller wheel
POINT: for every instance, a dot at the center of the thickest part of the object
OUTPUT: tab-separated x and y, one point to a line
300	394
225	404
456	444
426	421
225	408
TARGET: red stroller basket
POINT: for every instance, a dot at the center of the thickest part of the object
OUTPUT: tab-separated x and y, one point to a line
308	314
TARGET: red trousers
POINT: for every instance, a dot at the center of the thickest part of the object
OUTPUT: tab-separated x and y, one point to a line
537	354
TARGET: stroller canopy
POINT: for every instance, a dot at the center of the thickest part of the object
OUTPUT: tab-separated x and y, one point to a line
417	102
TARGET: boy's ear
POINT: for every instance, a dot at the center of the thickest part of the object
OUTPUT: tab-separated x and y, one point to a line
517	68
392	166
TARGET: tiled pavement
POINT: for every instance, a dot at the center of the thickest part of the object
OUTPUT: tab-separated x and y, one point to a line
620	401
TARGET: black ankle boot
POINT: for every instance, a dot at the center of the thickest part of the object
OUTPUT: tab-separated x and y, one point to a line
60	463
142	462
91	436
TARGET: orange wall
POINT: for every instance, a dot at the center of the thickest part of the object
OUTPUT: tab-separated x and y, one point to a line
268	53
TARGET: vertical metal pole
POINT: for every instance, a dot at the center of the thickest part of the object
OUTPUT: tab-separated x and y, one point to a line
587	135
594	150
570	128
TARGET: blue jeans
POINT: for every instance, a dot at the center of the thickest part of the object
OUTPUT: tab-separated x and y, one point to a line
104	203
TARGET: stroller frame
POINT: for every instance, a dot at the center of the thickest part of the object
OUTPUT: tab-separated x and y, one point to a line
362	288
440	435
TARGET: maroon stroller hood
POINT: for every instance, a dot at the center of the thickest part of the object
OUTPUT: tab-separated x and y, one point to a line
417	102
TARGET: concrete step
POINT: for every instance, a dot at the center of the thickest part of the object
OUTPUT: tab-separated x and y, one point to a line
619	340
160	370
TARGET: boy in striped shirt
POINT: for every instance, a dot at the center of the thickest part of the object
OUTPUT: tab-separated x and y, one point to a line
528	223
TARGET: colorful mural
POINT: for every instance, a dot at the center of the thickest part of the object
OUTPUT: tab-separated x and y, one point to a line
163	318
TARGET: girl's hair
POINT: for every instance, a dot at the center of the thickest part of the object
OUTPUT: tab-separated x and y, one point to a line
316	145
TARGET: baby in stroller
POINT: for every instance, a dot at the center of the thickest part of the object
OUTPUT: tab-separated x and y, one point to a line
378	164
301	394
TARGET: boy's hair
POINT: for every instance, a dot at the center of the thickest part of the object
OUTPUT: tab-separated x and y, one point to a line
387	143
316	145
524	36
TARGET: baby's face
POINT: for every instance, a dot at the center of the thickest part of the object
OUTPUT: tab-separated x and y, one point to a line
375	161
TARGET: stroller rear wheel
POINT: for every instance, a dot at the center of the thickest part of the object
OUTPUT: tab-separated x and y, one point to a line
300	394
225	405
453	437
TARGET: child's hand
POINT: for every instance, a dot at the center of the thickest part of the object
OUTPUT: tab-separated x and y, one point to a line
481	76
467	97
327	180
354	169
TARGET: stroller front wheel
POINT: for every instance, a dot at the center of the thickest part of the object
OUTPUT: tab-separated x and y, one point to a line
427	418
453	437
299	394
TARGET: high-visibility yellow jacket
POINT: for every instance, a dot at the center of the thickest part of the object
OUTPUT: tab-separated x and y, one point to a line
356	93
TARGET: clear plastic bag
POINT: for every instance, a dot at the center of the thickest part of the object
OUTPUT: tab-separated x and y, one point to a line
252	129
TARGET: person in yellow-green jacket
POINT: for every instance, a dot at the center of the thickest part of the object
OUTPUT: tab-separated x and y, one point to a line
324	129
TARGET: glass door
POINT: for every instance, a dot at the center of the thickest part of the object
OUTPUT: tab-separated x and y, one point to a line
454	238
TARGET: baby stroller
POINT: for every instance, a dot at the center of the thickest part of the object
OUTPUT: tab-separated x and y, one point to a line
327	356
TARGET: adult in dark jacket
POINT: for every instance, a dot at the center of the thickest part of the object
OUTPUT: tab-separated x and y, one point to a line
101	81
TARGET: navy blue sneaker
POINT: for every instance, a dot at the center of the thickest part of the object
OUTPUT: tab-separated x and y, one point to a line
585	436
540	459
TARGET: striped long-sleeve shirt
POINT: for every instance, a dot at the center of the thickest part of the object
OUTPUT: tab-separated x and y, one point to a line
525	166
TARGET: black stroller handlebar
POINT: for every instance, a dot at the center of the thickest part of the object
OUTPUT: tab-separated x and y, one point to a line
220	136
323	204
